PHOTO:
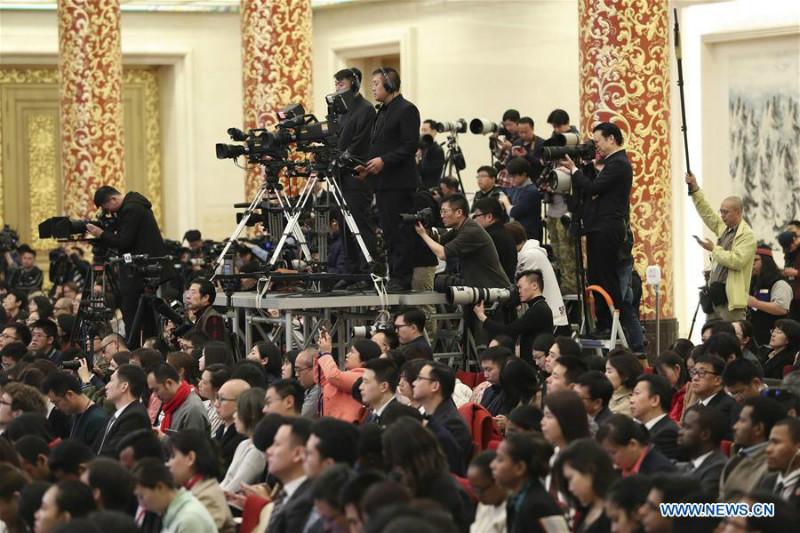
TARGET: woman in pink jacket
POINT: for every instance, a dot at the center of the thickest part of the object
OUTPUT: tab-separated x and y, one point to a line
337	385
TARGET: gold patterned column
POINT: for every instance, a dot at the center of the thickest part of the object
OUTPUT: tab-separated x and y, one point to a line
276	57
624	79
90	82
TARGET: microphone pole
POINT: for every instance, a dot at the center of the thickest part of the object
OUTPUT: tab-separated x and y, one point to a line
680	86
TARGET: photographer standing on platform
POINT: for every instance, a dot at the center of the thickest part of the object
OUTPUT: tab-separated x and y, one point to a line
135	232
606	210
469	242
355	128
394	142
731	257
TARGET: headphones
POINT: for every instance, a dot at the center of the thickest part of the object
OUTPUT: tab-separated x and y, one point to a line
355	85
387	82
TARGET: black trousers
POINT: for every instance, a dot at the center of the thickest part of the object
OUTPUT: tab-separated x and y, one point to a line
399	238
358	202
602	250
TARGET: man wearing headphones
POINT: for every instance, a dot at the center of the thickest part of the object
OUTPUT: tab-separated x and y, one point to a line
393	173
355	128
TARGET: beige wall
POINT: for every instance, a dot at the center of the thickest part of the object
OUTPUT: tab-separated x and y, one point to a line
201	95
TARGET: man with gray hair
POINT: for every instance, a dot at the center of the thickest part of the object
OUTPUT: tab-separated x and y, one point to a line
731	256
304	373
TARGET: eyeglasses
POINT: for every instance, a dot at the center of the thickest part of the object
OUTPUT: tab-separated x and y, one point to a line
476	215
425	378
299	369
6	337
701	372
220	399
398	326
38	336
106	345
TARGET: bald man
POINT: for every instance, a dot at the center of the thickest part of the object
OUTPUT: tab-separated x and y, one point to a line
225	404
731	256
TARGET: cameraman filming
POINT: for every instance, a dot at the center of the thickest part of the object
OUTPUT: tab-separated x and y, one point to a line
606	213
355	128
469	242
135	232
536	320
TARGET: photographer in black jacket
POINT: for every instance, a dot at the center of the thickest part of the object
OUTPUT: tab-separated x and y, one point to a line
606	211
393	172
355	128
135	232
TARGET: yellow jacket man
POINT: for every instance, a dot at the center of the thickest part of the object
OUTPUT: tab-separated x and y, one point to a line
731	256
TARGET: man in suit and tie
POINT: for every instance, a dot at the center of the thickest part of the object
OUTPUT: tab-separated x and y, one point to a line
783	460
699	437
378	385
748	465
393	173
124	390
225	403
650	404
355	130
707	385
285	460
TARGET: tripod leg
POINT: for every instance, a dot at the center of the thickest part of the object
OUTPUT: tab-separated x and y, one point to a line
137	321
242	224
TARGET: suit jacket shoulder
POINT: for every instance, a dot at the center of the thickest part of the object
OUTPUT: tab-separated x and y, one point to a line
664	436
655	462
296	510
134	417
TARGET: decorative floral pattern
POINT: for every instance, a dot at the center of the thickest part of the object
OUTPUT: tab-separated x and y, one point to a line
624	79
276	55
42	174
90	74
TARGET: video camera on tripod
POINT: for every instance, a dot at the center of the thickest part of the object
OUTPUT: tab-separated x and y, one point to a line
151	269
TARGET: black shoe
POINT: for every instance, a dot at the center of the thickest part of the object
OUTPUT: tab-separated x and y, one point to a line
342	284
394	286
598	334
361	286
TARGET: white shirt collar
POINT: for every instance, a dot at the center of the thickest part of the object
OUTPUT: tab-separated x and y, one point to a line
119	411
379	411
699	461
292	486
705	402
788	480
653	421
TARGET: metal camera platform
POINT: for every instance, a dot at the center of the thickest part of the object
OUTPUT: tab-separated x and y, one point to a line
339	312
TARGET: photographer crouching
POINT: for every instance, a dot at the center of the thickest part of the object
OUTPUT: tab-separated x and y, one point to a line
469	242
135	232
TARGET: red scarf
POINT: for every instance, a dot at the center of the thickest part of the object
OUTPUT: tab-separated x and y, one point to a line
171	406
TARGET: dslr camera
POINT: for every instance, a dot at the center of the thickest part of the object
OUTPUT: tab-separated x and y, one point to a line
424	215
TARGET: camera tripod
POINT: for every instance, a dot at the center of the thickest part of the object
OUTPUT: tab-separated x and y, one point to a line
454	159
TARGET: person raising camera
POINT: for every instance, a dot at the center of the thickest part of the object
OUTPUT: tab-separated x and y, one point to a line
467	241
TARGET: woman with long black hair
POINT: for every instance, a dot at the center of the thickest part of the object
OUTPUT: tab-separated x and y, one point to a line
770	295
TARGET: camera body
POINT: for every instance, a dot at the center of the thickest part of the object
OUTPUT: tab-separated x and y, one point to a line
8	239
423	215
584	151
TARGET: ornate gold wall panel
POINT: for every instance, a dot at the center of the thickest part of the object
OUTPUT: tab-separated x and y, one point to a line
26	197
42	173
276	55
90	67
624	70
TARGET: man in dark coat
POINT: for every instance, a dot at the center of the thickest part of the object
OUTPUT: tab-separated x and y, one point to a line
135	232
354	129
393	172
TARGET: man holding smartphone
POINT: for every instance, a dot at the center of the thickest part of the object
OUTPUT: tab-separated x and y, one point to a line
731	256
